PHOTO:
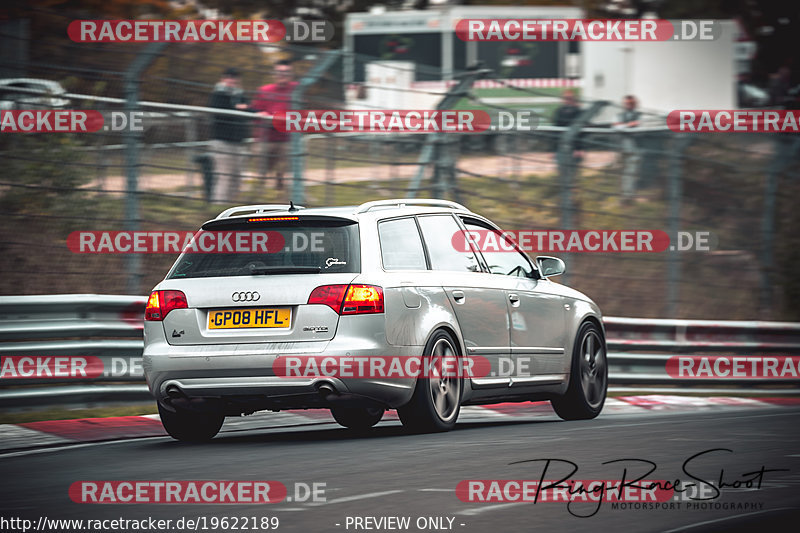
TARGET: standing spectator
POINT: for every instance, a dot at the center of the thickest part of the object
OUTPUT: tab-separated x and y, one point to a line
629	118
568	111
228	134
273	144
779	83
565	115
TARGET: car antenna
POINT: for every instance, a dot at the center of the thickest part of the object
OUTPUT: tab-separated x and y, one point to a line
292	208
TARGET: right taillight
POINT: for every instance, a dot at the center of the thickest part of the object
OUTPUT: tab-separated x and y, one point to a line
349	299
161	303
362	299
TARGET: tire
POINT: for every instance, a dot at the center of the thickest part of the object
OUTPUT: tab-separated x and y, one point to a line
436	401
190	426
358	418
588	379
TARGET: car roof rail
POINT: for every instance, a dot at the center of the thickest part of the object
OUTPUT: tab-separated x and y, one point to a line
257	209
403	202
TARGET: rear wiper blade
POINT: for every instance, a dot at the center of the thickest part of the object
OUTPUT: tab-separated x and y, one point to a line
256	270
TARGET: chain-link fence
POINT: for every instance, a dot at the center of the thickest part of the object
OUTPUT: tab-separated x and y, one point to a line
589	174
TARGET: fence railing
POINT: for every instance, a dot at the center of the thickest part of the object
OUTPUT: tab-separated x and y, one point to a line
110	328
564	177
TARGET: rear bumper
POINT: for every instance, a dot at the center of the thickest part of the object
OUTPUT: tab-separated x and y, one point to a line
242	376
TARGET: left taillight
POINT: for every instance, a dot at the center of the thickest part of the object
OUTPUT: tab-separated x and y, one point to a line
161	303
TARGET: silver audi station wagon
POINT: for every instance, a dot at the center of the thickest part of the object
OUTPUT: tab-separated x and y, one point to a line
380	279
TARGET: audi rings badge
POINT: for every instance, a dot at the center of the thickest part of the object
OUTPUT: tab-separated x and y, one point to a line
245	296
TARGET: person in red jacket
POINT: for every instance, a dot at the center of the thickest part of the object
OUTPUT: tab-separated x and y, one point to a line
273	144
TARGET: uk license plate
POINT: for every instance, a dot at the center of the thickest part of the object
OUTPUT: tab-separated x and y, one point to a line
250	318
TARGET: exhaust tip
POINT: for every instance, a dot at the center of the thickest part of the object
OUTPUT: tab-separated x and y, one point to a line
174	392
326	389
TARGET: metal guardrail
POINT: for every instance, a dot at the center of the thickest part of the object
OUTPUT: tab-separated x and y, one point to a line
639	349
110	328
70	315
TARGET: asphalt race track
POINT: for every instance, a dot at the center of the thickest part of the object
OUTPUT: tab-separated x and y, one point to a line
388	472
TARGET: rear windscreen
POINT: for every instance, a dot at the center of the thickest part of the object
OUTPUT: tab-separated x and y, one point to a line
283	249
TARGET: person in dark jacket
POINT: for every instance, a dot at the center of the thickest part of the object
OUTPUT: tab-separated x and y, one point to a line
228	134
565	115
568	111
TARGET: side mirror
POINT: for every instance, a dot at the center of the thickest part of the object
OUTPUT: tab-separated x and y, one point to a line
550	266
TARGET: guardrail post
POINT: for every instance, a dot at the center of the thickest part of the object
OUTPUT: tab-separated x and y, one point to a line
675	196
431	150
567	168
784	151
332	147
297	142
132	139
190	129
444	167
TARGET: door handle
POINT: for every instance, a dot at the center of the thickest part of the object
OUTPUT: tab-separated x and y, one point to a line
514	299
459	297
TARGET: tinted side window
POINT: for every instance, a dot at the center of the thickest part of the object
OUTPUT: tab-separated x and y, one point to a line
438	231
401	246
